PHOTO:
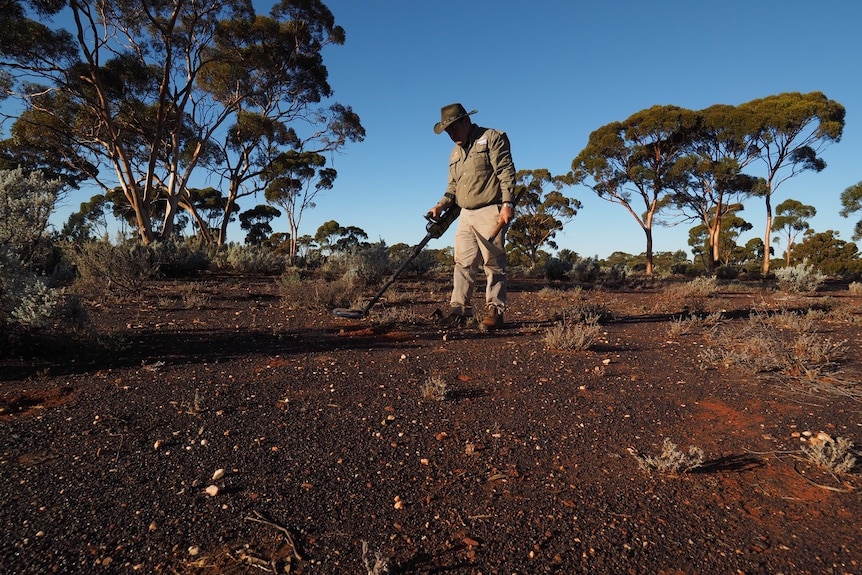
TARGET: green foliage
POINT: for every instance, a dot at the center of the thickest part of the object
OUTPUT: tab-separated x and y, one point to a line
368	265
541	213
586	270
89	222
637	163
557	269
791	219
28	301
256	222
137	114
667	157
25	299
851	201
722	249
421	265
181	257
830	255
335	238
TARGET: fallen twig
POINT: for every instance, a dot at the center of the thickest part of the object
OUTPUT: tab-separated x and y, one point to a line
821	486
258	518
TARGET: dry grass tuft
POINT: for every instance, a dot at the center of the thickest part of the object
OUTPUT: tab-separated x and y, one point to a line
671	461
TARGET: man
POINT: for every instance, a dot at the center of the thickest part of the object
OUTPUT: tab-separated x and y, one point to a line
482	184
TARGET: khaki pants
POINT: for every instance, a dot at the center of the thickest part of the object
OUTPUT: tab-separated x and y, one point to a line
471	250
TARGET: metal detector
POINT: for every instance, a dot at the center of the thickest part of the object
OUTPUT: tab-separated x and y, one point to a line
435	227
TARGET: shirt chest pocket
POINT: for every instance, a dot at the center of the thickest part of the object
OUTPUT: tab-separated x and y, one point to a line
480	157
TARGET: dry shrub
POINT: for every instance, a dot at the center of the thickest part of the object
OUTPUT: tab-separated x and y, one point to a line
784	343
117	270
671	461
310	293
693	295
832	455
573	336
193	297
435	388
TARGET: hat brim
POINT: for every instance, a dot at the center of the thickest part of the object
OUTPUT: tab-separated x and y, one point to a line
440	126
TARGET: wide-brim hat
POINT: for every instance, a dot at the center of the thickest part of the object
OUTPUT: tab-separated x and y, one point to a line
450	114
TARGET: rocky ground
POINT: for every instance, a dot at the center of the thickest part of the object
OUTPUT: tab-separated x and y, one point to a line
226	429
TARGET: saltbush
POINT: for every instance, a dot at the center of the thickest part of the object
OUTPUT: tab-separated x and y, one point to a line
27	299
250	259
801	278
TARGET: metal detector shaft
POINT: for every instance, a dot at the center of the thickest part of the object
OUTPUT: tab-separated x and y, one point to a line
415	252
436	228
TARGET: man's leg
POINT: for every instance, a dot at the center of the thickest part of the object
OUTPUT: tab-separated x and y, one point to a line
494	256
466	254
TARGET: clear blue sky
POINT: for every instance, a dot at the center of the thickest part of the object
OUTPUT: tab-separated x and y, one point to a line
549	72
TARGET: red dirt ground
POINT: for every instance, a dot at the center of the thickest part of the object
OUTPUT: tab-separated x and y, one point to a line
327	443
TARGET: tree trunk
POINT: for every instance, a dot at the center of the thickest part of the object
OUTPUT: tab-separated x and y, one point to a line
766	238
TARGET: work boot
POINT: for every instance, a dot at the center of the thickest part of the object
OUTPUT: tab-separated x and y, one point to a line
494	320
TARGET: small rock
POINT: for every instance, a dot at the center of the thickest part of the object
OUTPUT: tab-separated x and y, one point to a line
212	490
194	550
158	443
219	473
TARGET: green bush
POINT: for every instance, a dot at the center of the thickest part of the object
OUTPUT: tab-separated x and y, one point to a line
557	269
585	270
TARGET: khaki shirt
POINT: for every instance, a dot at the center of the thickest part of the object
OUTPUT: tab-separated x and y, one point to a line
483	173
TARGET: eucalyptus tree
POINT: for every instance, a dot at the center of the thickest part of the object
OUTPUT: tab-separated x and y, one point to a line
541	213
713	184
851	201
256	222
722	248
334	238
637	163
149	92
790	130
295	179
791	219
